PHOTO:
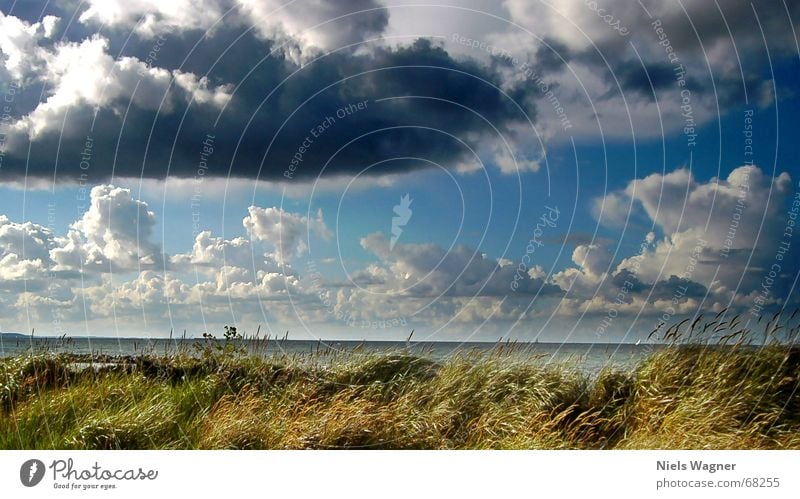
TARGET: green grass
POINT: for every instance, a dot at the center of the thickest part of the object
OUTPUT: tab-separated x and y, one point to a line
683	396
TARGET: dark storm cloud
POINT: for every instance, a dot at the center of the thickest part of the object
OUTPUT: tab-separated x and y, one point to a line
677	286
716	21
552	55
704	38
633	76
625	279
435	102
268	120
666	289
647	80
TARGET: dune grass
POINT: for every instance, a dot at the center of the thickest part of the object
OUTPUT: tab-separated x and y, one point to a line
684	396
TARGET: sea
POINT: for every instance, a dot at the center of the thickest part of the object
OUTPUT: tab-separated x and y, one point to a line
587	357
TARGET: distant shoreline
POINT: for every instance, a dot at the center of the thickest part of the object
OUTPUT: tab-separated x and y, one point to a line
178	339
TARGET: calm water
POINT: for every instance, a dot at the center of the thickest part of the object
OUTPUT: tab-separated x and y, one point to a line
590	357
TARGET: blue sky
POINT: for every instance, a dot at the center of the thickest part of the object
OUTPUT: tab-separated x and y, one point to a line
139	242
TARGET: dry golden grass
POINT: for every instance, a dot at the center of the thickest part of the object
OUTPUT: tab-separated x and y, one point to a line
680	397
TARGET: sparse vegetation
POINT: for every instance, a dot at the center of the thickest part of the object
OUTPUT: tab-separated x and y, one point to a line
692	394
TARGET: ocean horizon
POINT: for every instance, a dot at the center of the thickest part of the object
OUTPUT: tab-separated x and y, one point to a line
589	357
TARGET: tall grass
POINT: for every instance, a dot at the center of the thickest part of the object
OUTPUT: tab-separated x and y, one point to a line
693	393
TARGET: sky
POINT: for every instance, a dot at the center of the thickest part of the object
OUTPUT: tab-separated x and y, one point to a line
570	171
